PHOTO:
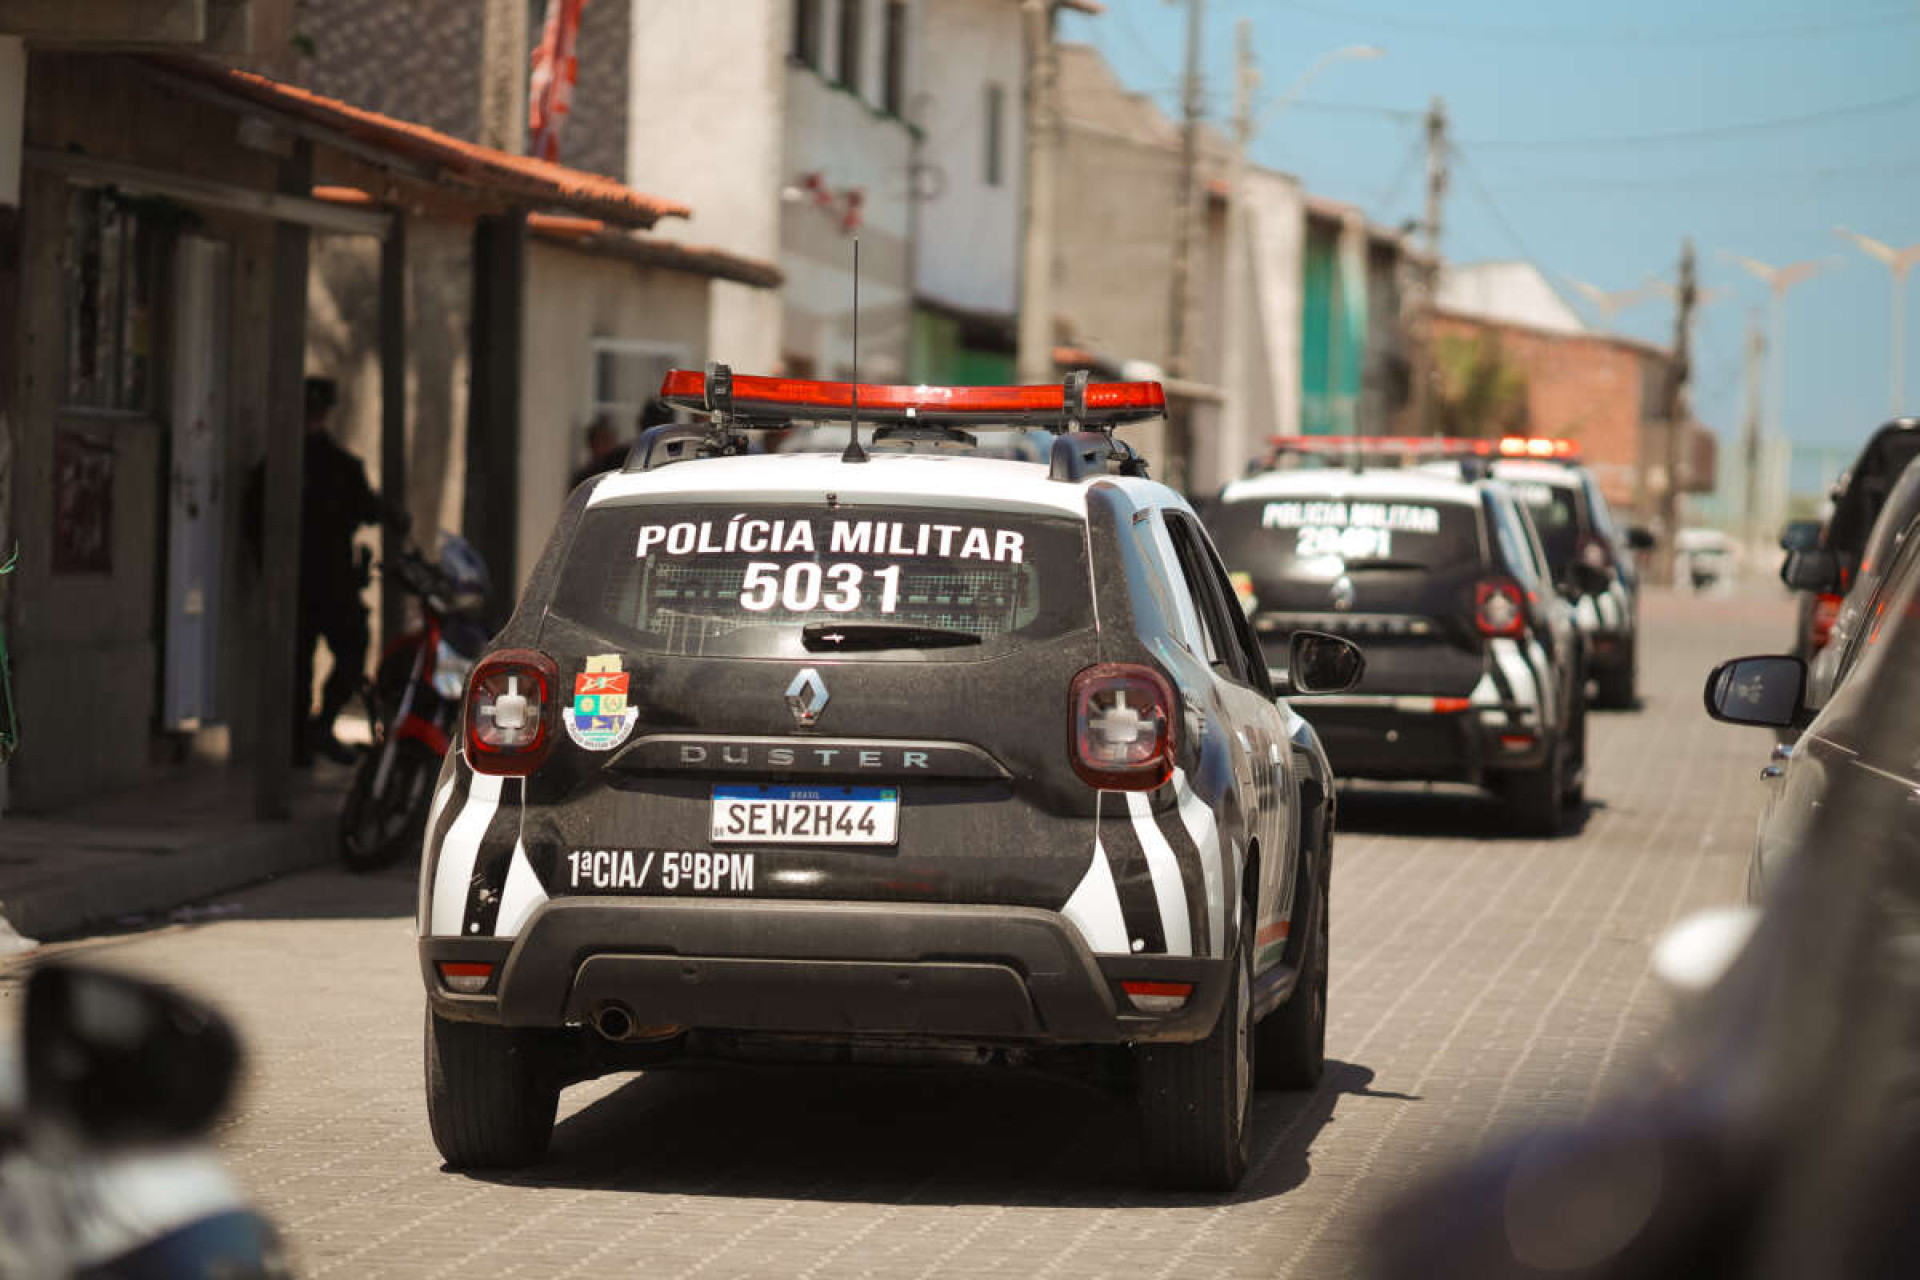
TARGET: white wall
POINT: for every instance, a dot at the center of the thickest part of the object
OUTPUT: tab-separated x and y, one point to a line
851	145
1508	292
574	297
969	231
707	90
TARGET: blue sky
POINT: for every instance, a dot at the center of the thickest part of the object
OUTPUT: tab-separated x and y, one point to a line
1556	108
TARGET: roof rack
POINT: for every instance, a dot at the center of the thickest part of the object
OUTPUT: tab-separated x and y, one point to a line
1076	409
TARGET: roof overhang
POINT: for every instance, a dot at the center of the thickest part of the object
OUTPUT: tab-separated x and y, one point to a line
415	151
590	235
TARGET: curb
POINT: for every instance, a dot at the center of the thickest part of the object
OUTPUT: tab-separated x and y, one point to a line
147	885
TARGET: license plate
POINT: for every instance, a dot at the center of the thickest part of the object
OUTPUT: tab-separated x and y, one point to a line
805	815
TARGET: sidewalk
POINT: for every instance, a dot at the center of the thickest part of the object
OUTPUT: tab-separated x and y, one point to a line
138	853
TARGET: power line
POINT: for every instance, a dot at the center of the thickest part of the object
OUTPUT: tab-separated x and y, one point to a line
1500	218
1712	132
1612	35
1709	182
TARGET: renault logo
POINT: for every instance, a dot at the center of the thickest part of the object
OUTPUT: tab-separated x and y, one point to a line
807	696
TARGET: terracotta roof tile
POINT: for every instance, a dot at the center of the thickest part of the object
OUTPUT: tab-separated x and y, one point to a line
595	236
525	177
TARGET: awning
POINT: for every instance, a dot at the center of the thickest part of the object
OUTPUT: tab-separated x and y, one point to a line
590	235
418	152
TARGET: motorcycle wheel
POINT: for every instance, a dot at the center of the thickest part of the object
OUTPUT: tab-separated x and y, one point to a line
378	831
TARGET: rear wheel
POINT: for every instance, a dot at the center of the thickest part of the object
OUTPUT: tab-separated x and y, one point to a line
1615	687
492	1093
1537	798
1196	1100
378	830
1290	1046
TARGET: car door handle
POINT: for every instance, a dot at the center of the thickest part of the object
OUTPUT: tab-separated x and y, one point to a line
1771	772
1782	751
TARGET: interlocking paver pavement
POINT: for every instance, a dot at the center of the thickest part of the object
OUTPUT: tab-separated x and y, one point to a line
1481	984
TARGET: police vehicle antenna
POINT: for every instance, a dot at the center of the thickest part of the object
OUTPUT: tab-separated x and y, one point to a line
854	452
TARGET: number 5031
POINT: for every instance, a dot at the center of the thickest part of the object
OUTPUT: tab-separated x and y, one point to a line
805	586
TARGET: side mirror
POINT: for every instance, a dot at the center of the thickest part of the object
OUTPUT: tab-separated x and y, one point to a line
1800	535
1586	580
1759	691
1320	663
1639	538
1816	569
122	1061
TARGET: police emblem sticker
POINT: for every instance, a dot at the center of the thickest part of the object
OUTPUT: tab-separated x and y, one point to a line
600	719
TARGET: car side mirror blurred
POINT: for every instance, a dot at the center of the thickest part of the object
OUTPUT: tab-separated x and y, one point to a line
1800	535
1639	538
121	1061
1320	663
1759	691
1816	569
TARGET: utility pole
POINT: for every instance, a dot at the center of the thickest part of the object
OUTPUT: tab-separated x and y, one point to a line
504	71
1179	433
1426	370
1035	358
1233	444
1750	430
1676	411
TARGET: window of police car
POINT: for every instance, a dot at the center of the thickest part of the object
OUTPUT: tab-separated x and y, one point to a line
1232	649
1516	549
1311	538
787	581
1556	517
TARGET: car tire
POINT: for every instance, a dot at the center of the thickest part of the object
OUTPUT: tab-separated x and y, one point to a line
492	1093
1195	1100
1290	1045
1574	777
1536	799
1616	688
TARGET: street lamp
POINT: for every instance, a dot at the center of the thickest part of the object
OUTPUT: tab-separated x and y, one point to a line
1897	262
1610	304
1246	120
1778	280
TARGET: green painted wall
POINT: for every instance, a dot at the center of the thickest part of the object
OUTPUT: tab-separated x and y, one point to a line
938	356
1333	335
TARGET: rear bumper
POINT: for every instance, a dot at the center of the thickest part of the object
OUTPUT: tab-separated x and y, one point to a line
1421	738
1005	975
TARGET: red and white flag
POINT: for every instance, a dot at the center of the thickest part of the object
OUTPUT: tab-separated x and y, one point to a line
555	70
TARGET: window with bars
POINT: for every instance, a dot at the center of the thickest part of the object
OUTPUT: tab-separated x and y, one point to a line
626	377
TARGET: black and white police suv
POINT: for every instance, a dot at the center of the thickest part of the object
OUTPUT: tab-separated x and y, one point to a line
1588	553
890	753
1475	670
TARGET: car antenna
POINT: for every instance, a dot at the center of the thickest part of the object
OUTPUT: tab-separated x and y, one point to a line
854	452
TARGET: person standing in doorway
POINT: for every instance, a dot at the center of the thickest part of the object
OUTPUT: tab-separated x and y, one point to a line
335	501
603	452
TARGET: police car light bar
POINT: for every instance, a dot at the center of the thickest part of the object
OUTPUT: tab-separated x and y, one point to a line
1537	447
748	401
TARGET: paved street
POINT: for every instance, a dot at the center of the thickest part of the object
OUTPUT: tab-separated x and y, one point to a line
1481	983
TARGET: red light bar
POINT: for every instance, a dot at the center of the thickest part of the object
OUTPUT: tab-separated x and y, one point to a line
1398	446
786	399
1537	447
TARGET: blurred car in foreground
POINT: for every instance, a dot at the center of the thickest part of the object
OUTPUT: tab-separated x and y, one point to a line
104	1166
1774	1133
1857	498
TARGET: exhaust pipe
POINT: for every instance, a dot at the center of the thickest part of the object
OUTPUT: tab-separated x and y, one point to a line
613	1021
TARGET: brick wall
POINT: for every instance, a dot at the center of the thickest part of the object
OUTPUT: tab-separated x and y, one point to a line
419	60
1597	389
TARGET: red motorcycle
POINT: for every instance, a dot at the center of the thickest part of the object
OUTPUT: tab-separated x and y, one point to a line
413	704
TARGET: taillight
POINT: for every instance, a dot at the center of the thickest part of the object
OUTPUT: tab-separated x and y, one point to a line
511	707
466	977
1826	611
1498	608
1121	727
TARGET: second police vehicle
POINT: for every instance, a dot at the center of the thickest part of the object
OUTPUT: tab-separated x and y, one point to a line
887	752
1476	667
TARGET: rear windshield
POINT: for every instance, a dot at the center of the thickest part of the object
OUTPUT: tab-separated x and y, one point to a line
1880	464
723	581
1556	517
1318	537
